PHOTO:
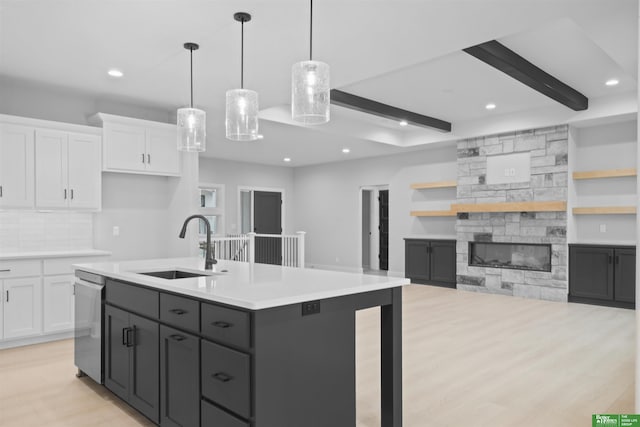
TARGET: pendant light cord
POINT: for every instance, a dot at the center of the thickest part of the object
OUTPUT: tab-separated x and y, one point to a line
191	63
311	32
242	56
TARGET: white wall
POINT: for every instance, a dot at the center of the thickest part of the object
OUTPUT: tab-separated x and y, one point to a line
327	203
240	174
611	146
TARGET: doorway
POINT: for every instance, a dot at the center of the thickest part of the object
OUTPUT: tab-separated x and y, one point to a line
261	212
375	229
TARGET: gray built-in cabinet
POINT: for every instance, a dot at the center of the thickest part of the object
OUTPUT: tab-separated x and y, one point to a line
602	274
431	261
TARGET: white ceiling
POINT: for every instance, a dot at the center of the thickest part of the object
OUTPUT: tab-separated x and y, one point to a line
406	53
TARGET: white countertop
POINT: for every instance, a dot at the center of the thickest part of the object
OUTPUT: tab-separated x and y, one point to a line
53	254
252	286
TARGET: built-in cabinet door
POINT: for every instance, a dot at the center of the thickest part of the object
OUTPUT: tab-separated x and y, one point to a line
591	272
124	147
84	171
51	169
443	261
16	166
625	275
417	259
22	307
58	303
116	351
144	391
179	378
162	152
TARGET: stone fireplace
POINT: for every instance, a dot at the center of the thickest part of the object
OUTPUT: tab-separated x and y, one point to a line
526	254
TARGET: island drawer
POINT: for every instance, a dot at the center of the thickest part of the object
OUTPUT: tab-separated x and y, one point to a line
226	378
180	312
133	298
214	416
225	325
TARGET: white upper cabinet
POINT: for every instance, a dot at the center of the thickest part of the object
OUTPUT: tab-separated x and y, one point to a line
68	173
16	166
139	146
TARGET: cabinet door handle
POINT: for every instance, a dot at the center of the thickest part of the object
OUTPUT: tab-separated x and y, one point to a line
617	259
222	377
72	194
610	259
142	157
131	336
7	295
149	158
178	311
0	190
65	194
177	337
221	324
124	336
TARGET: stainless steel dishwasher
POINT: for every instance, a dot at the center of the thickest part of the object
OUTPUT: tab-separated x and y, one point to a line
88	290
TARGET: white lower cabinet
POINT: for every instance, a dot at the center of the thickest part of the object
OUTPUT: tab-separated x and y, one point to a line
22	307
58	303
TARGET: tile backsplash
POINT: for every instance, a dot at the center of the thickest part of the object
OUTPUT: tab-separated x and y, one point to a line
45	231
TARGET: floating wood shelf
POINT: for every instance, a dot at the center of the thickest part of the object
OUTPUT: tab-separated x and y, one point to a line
552	206
433	213
435	184
609	173
605	210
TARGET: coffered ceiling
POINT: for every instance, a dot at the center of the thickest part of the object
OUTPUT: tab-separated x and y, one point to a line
405	53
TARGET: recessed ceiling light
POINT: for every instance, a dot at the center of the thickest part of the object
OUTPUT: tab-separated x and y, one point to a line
490	106
612	82
346	150
403	123
260	136
115	73
286	159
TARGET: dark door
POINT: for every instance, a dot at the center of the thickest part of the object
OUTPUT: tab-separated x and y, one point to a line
267	219
144	394
625	277
116	352
443	262
179	378
591	272
417	260
383	203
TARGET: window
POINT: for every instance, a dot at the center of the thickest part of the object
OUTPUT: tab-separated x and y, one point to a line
212	207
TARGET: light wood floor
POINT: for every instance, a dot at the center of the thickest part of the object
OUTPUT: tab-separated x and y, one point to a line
469	360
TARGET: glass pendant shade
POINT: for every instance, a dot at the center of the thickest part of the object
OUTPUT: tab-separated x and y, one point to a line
242	115
191	129
310	92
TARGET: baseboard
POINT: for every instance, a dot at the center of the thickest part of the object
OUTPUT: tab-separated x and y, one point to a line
342	268
38	339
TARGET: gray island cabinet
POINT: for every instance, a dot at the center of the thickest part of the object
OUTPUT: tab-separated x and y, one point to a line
245	345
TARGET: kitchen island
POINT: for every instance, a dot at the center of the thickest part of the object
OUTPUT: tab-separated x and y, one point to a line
244	344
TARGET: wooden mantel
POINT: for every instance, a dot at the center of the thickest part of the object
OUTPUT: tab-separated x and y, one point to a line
550	206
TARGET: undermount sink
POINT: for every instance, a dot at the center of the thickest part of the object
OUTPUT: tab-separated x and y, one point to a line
175	274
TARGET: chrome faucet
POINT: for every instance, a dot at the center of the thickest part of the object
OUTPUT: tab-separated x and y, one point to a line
209	255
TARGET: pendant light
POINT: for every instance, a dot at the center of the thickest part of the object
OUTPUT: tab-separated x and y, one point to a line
191	121
310	87
242	104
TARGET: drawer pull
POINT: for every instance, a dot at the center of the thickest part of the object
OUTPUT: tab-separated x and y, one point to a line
222	377
178	311
6	270
221	324
177	337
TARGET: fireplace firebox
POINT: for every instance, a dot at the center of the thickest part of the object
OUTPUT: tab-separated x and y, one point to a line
519	256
